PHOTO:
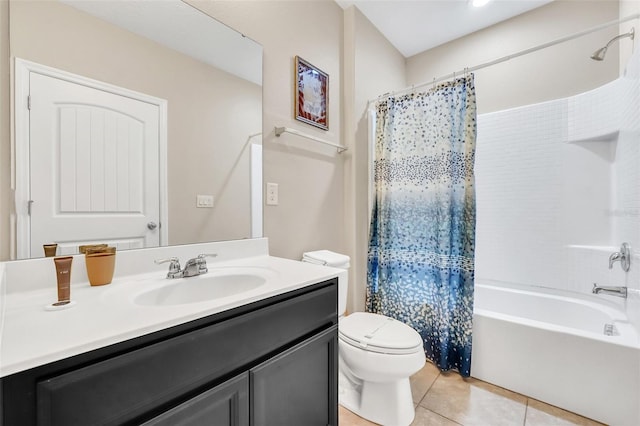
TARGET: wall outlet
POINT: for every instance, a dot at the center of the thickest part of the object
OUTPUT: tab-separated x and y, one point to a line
204	201
272	194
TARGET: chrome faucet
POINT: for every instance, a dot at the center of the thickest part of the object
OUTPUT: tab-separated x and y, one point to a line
196	266
193	267
613	291
623	256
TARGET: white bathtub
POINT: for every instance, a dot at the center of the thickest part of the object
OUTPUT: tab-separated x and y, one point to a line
550	345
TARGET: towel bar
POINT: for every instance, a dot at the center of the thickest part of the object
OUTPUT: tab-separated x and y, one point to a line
281	130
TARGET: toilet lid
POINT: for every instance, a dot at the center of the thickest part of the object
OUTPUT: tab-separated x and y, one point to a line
378	333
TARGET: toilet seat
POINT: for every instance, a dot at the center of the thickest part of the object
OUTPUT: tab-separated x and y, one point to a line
378	333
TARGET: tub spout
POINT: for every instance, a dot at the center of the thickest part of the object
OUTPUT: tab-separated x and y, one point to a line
613	291
623	256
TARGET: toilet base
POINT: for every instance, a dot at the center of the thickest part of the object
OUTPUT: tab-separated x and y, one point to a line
385	403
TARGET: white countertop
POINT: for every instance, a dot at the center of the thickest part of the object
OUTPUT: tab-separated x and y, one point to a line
32	336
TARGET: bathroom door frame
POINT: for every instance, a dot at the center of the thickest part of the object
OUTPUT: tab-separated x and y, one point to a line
21	172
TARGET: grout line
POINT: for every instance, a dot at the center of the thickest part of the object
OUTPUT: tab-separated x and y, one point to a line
444	417
430	410
429	389
526	409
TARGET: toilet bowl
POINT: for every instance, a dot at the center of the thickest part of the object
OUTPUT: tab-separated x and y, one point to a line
377	354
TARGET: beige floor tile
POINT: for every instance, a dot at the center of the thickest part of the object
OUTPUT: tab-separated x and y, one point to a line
541	414
423	417
473	402
426	417
422	381
347	418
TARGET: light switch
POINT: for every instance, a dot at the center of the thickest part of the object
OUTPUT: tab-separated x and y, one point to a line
204	201
272	194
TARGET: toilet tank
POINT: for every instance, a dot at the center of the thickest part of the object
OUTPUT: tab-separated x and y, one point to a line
334	260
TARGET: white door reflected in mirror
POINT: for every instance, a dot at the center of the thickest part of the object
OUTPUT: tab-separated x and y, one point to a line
92	170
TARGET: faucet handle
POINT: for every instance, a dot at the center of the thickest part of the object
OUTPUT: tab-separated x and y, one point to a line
624	256
174	266
203	255
202	263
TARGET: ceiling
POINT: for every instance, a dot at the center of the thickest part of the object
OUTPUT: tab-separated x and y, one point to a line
414	26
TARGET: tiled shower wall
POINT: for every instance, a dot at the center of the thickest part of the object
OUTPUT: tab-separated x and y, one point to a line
558	189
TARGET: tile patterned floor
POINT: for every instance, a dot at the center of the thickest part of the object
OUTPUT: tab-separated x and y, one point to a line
445	399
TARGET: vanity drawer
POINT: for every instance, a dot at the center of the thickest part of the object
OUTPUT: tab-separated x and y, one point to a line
127	386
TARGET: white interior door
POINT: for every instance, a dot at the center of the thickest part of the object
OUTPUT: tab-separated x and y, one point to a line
93	167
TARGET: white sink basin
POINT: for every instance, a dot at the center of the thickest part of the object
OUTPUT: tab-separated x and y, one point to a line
220	283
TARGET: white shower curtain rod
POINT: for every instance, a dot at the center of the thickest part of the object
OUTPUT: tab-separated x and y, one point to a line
508	57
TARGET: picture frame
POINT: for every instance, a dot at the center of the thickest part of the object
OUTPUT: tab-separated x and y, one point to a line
311	94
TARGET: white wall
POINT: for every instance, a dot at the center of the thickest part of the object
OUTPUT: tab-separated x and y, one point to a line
627	8
625	214
376	67
543	181
6	205
552	73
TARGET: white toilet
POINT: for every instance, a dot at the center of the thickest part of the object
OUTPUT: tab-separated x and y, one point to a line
377	355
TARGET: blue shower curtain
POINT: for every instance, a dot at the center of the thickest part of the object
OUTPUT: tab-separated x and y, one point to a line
422	235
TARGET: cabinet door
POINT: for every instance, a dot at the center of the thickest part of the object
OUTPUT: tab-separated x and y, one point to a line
299	386
224	405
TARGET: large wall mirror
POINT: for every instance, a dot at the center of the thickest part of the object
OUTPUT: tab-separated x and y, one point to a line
133	114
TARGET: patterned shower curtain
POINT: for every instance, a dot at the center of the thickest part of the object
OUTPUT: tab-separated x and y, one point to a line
422	235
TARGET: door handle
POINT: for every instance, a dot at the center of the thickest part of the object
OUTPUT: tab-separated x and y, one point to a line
152	225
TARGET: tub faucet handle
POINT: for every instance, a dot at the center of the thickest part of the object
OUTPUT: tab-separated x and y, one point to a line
623	256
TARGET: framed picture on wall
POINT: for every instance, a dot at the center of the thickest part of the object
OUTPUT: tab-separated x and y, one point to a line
312	94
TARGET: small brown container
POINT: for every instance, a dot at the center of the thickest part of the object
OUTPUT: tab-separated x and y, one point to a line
101	249
50	249
100	267
85	248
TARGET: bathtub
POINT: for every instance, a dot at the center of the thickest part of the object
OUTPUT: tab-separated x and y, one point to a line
550	345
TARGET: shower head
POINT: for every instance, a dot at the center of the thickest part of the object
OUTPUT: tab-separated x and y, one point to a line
598	55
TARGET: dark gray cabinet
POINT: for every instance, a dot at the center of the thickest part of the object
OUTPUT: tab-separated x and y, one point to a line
273	362
298	387
225	404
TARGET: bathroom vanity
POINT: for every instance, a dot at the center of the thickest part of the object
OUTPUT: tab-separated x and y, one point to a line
264	361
